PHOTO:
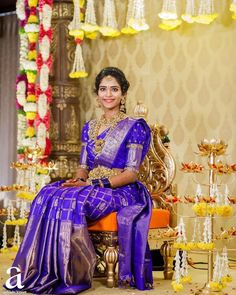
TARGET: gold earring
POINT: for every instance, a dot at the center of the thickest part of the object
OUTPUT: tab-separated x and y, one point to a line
98	104
122	105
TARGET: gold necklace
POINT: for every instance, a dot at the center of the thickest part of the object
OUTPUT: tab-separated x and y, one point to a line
95	126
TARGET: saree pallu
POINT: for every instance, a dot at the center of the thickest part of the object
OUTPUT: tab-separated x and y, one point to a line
56	255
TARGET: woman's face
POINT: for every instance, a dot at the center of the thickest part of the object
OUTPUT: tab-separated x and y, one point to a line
109	94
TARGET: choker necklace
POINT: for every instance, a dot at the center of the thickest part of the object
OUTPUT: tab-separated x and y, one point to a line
95	126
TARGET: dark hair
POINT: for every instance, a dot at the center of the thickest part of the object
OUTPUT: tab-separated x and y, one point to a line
117	74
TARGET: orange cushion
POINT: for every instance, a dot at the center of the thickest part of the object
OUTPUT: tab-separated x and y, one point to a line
160	218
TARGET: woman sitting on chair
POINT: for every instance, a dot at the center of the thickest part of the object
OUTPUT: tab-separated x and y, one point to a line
56	255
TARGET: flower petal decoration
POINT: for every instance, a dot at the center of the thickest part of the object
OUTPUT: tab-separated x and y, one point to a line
169	25
78	69
109	26
90	24
190	12
169	16
206	12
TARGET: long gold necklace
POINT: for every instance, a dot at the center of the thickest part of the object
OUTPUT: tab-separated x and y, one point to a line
95	126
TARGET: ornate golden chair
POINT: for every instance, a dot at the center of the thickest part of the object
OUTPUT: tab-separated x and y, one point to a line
157	172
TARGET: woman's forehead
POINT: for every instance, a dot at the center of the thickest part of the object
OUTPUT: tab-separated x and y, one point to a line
109	81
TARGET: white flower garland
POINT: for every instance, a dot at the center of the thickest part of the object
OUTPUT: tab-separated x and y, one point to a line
42	110
43	78
30	107
44	47
21	92
137	20
190	12
21	127
20	9
90	23
109	25
41	135
23	49
45	16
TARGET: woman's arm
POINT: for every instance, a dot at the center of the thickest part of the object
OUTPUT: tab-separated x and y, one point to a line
124	178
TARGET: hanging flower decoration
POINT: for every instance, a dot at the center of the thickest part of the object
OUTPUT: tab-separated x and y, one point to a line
169	16
127	29
32	29
75	29
221	275
90	26
109	26
44	64
21	81
233	9
176	284
206	12
190	12
137	20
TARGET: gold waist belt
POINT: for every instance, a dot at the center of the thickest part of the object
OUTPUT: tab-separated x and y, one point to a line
103	172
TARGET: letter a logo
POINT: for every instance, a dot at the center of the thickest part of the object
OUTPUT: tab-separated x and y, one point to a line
16	278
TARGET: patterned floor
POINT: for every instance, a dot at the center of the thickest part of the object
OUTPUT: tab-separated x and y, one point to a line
161	286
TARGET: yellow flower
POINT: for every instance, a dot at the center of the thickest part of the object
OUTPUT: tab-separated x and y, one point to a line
169	25
177	245
33	37
25	195
31	98
33	19
200	209
109	32
79	74
129	31
42	171
205	246
14	248
30	116
77	34
91	35
31	77
20	221
30	131
4	250
81	3
227	279
138	24
217	286
206	19
177	286
32	54
211	210
192	245
234	16
224	210
186	279
89	28
33	3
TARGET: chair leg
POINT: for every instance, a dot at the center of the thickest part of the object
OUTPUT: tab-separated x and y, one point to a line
168	254
110	258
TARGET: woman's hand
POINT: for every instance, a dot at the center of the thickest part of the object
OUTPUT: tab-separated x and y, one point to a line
74	182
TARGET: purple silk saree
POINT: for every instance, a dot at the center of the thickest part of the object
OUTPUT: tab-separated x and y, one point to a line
56	255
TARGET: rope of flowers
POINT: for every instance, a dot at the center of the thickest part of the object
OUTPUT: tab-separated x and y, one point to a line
75	30
22	10
44	64
30	107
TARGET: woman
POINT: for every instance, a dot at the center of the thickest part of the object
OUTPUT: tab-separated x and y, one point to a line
56	255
